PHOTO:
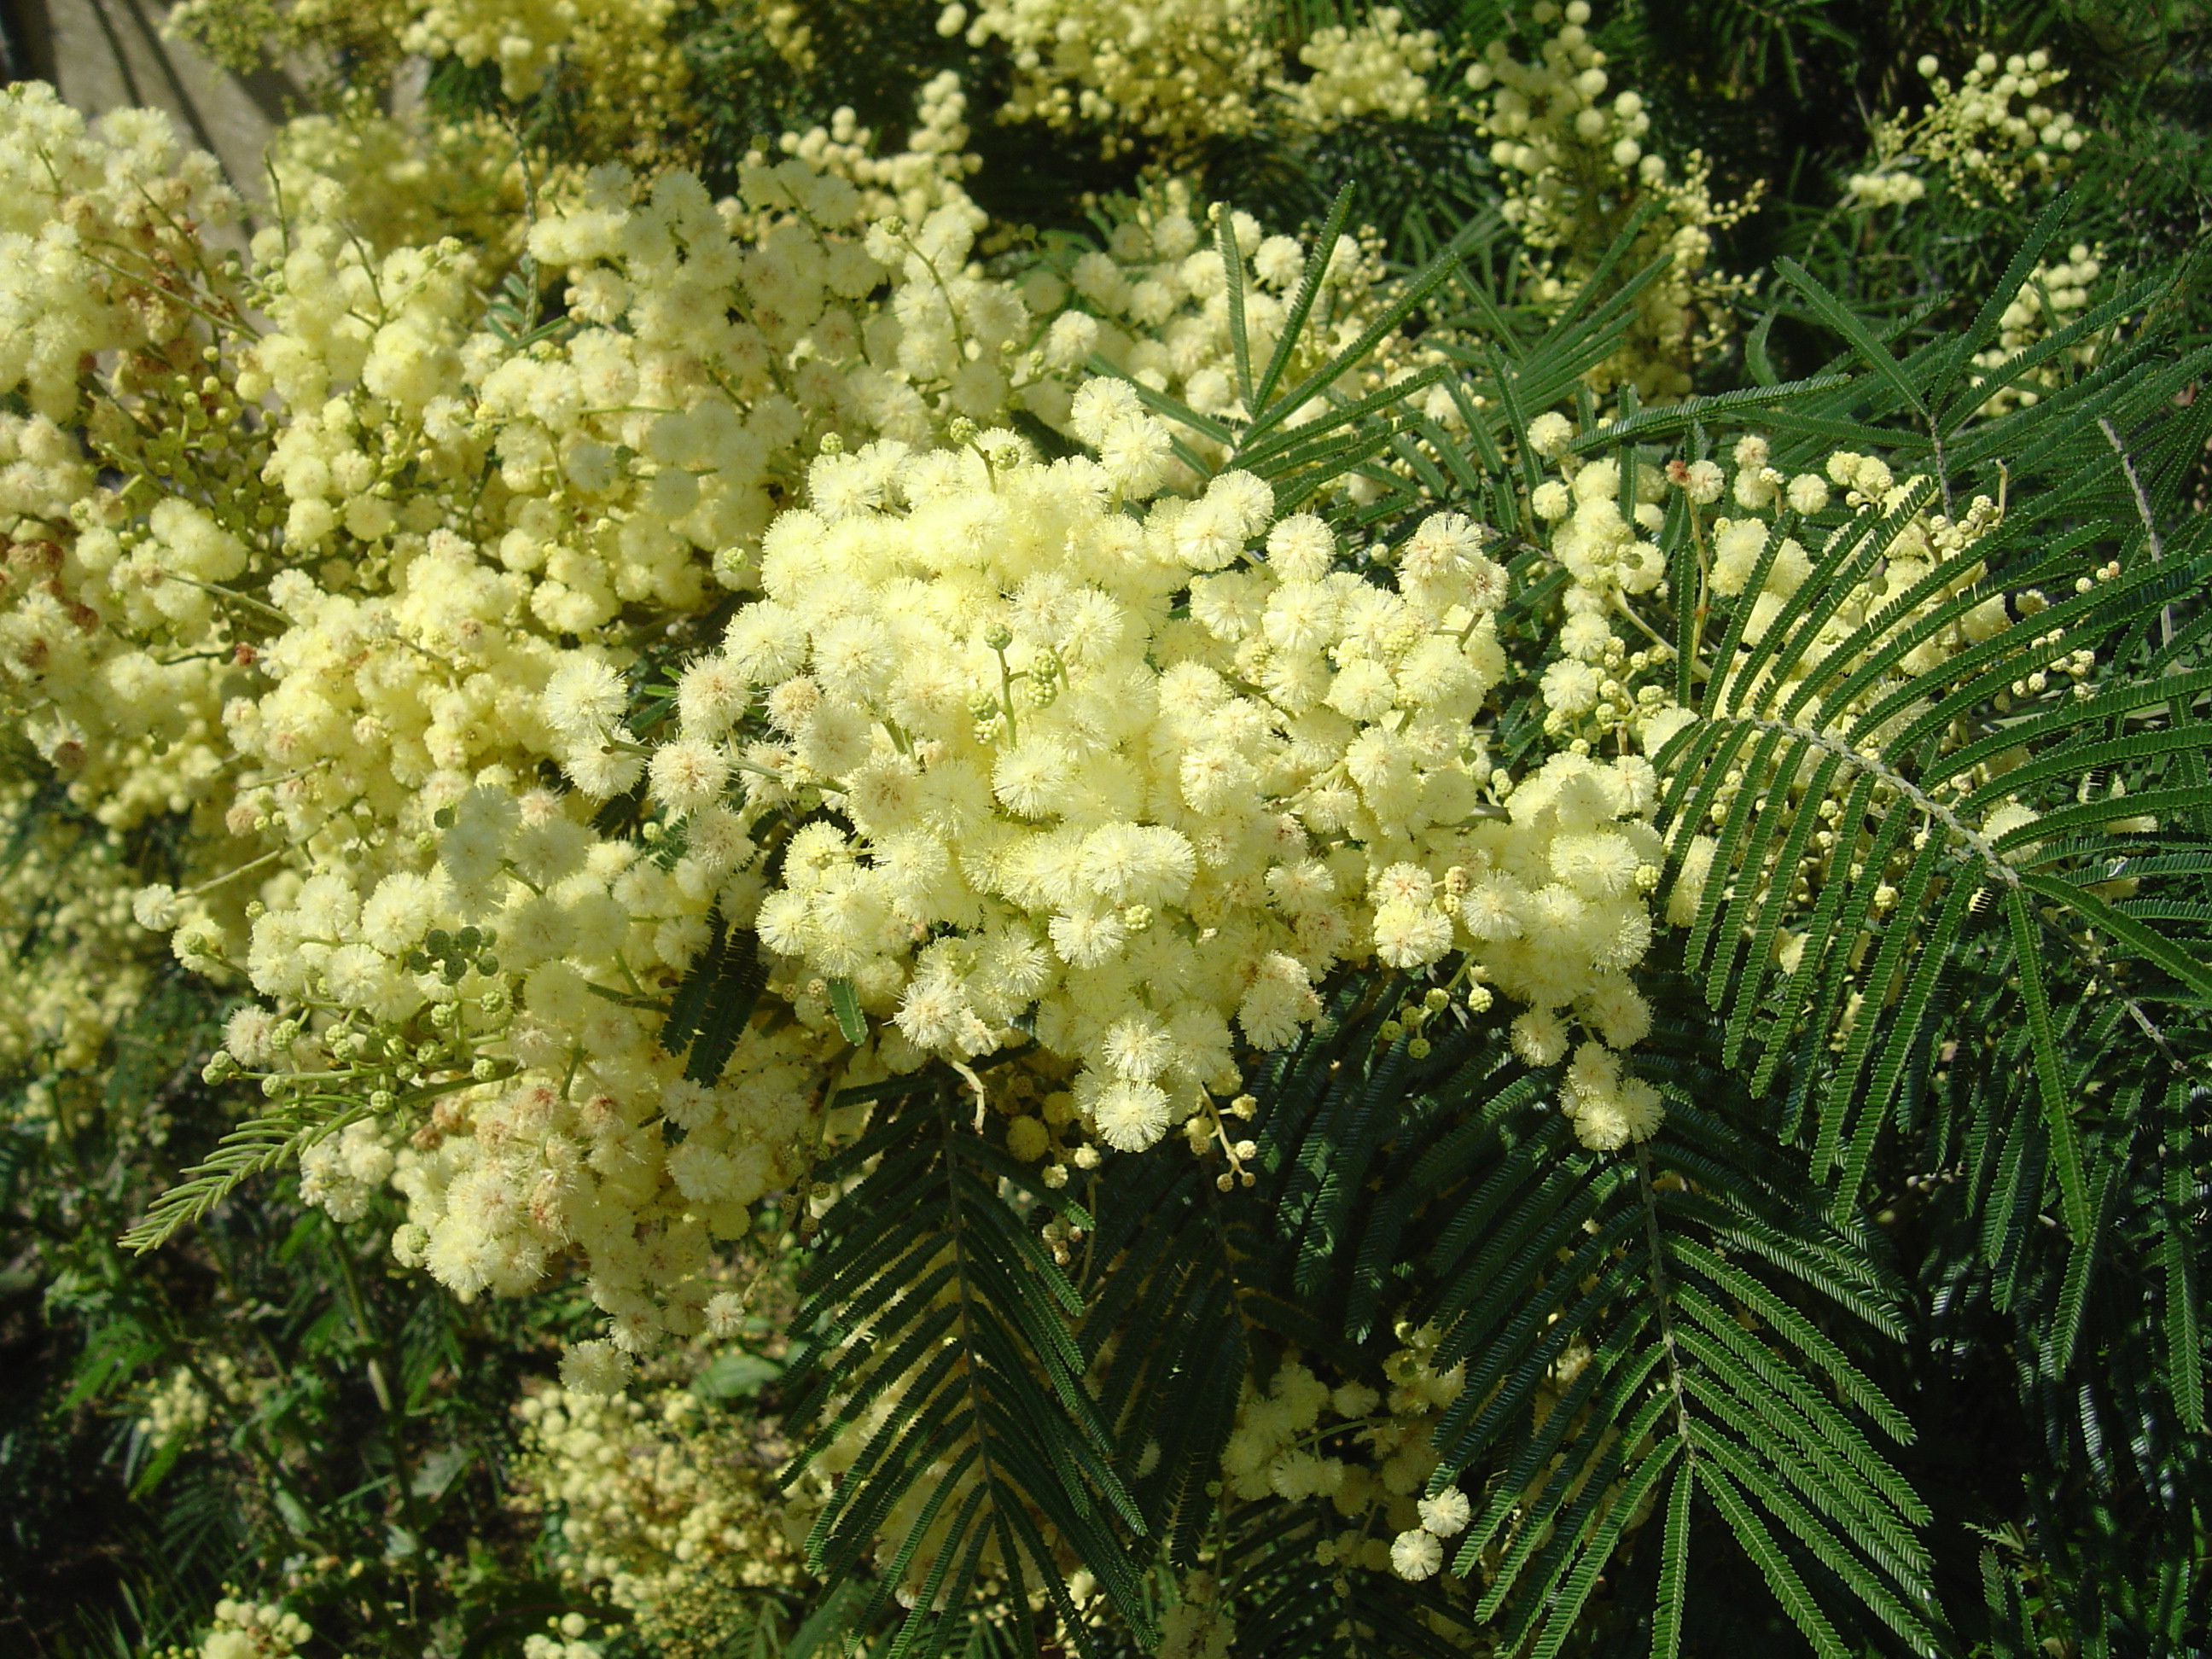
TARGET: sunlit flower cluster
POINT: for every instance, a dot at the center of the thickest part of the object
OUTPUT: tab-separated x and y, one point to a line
1143	838
910	183
132	194
1179	72
667	1505
525	41
77	965
1752	559
406	179
1571	146
1378	67
181	1405
1154	304
1361	1457
245	35
1165	70
405	590
1992	133
253	1630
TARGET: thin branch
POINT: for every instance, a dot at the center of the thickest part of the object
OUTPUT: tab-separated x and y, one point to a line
2143	512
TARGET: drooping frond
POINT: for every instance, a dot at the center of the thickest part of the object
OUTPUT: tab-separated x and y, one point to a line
1893	755
943	1385
1636	1330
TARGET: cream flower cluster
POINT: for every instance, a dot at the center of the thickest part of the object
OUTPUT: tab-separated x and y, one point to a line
1572	147
251	1629
176	1407
1361	1456
410	179
672	1509
525	40
1174	71
341	1173
180	1408
1593	692
2054	296
1973	135
911	183
1154	303
244	36
1180	71
87	215
528	1172
349	654
1066	808
1376	67
626	456
85	965
562	1638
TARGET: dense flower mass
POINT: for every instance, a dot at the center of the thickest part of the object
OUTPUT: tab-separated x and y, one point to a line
1573	145
675	1515
1101	756
1181	72
1069	810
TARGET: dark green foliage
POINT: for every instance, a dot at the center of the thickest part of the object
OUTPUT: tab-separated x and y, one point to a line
928	1292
